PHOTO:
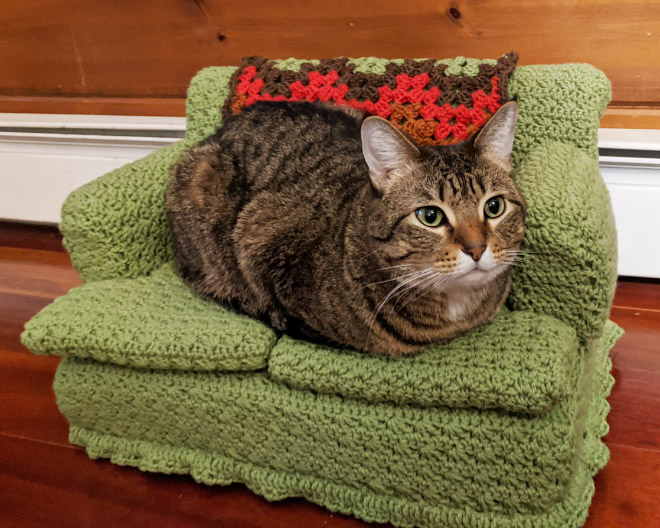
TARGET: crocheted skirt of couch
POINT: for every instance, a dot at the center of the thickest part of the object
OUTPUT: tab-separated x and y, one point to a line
501	427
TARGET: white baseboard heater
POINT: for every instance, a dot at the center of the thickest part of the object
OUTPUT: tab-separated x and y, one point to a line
44	157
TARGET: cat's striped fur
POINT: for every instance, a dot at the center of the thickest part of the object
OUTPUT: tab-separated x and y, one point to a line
304	216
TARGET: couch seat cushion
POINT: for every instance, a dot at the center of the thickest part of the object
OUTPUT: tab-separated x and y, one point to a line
154	322
520	362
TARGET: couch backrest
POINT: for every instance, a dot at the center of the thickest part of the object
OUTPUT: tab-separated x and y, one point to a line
116	226
558	102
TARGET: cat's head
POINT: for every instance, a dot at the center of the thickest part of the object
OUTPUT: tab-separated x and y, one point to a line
452	212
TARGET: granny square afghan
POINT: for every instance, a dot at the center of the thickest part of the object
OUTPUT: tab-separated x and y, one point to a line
432	101
500	428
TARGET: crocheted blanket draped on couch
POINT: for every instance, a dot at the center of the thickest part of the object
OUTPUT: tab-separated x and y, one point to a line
500	428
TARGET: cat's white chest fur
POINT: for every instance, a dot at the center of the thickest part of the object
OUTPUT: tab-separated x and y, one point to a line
459	304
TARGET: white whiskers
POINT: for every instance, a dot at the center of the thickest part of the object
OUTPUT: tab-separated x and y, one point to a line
409	276
404	287
519	257
423	288
416	282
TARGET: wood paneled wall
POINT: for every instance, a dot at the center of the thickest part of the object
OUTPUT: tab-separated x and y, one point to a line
137	57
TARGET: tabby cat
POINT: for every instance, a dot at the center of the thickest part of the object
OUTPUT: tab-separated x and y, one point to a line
340	230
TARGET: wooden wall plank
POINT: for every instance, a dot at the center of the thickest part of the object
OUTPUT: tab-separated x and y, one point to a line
631	117
151	49
615	117
128	106
543	32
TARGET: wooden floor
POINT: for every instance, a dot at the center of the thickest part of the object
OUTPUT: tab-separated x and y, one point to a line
46	482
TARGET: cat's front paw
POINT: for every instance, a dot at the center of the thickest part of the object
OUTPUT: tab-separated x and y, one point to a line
278	321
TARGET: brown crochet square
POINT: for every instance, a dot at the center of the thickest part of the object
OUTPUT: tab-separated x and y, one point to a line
418	97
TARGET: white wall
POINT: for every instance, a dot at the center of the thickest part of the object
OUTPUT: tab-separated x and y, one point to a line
44	157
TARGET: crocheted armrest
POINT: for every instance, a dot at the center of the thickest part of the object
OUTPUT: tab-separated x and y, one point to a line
568	266
115	226
559	102
207	93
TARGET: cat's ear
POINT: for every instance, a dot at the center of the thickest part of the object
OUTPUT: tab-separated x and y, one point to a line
495	140
385	150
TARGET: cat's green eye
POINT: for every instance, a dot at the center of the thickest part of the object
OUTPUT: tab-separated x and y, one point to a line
430	216
494	207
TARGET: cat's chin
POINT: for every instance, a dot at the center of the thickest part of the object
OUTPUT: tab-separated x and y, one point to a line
471	274
477	277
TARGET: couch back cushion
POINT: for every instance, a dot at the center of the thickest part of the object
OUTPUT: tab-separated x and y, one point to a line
558	102
436	102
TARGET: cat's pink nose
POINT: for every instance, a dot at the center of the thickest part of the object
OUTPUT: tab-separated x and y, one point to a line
475	251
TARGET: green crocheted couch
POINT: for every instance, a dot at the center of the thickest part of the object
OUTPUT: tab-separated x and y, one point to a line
500	428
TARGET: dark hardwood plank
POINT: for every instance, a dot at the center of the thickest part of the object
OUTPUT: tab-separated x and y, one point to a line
28	407
46	482
15	311
635	408
635	400
639	348
43	485
29	280
36	273
30	236
627	490
76	491
643	295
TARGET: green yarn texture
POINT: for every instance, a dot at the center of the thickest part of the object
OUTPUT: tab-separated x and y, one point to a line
460	66
382	462
149	322
499	428
569	270
520	362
